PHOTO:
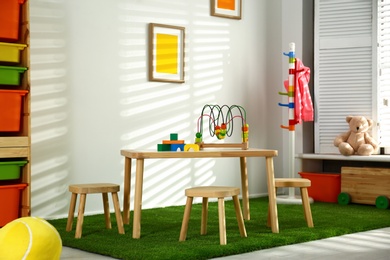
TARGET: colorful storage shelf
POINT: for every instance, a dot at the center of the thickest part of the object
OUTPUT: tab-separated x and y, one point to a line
10	52
11	109
10	75
9	19
15	135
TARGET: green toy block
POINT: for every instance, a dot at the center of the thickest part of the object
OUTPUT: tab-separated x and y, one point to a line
163	147
174	137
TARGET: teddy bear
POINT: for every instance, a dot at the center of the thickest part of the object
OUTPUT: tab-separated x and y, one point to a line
357	140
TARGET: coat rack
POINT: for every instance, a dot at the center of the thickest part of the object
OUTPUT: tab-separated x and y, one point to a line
290	198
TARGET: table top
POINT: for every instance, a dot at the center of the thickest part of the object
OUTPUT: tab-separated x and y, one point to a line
205	153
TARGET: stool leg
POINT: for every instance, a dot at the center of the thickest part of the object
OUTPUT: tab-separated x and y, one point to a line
222	222
306	207
186	218
240	219
269	212
118	215
80	216
205	213
106	207
72	207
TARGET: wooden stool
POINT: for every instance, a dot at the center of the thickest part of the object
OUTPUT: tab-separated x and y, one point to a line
303	184
212	192
83	190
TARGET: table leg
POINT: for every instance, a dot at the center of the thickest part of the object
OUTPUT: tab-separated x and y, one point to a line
139	172
126	192
244	188
272	195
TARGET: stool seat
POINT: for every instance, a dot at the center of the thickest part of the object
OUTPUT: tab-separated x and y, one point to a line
303	184
212	191
93	188
292	182
207	192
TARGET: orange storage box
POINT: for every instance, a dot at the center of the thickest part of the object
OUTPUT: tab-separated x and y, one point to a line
10	202
9	19
11	109
325	187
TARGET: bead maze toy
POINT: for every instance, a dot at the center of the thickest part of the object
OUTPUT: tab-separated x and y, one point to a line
221	126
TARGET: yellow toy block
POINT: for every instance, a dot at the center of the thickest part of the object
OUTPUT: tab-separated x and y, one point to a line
194	147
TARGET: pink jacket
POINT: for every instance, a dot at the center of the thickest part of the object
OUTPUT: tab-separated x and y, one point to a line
303	103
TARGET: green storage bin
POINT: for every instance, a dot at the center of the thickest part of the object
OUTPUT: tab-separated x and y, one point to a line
10	75
10	170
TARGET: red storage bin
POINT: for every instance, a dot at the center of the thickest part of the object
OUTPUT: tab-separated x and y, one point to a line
10	202
11	109
325	187
9	19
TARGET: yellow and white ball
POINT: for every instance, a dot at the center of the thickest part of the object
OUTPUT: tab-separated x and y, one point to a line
30	238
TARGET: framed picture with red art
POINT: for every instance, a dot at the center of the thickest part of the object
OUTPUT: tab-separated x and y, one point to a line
226	8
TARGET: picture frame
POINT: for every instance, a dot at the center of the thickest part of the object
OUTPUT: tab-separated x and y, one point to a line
226	8
166	53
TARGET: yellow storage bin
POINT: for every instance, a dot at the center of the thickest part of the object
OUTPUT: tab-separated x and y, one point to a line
10	52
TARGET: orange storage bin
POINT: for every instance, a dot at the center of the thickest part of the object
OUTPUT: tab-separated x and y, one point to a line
9	19
11	109
10	202
325	187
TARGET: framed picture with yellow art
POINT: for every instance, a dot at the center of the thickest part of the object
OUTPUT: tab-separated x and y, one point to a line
166	53
226	8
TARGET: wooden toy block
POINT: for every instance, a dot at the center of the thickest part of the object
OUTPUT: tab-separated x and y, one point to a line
194	147
176	147
173	141
174	137
163	147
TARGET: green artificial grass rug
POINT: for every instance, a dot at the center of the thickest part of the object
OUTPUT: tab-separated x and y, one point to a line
160	230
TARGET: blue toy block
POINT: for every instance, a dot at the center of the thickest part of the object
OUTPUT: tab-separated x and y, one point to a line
176	147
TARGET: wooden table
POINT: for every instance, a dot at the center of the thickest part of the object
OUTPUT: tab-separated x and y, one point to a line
140	157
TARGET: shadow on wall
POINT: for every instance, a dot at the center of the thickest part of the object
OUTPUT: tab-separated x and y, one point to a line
149	111
49	108
170	107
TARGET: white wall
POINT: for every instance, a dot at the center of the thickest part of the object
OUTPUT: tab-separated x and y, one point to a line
91	96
